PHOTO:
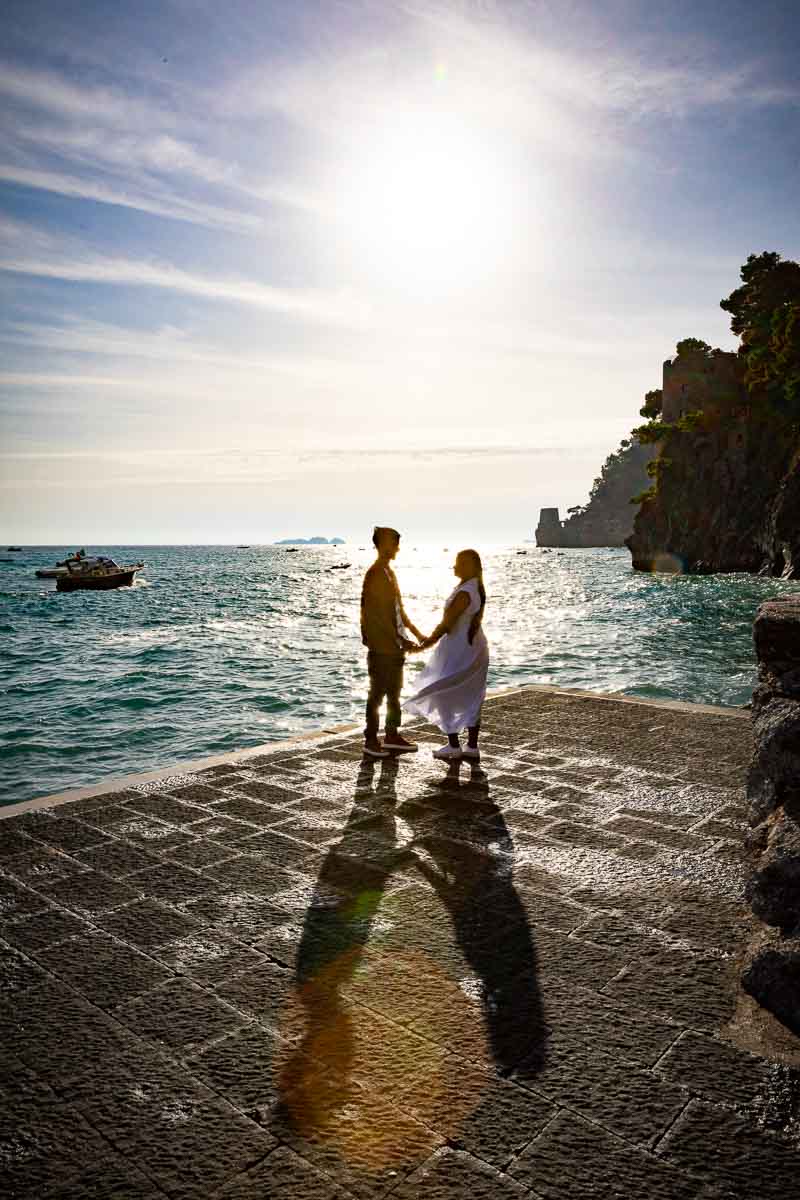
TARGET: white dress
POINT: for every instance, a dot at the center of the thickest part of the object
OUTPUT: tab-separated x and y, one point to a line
452	687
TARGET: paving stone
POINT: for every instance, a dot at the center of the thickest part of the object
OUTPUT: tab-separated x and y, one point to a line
585	835
365	1144
550	911
256	812
619	1027
168	809
179	1014
680	820
40	865
56	1031
107	817
238	914
452	1174
575	961
103	970
675	839
693	989
116	858
575	1158
155	836
610	929
207	958
38	1147
225	830
61	832
279	849
196	793
716	1070
272	793
264	992
13	839
110	1178
42	929
714	1143
283	1175
632	1104
173	884
252	874
91	892
703	925
147	923
245	1068
473	1109
202	853
191	1154
18	901
17	973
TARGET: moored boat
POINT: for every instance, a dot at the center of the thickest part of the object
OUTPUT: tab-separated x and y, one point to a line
96	575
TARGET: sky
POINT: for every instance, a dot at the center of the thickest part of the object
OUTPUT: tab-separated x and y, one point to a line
297	267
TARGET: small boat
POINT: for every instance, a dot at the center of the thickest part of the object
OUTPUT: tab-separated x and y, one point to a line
292	550
242	547
338	567
62	567
17	548
96	575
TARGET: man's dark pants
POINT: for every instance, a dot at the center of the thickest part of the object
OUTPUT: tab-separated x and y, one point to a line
385	682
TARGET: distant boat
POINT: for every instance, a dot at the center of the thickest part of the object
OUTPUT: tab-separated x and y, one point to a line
338	567
292	550
242	547
14	548
96	575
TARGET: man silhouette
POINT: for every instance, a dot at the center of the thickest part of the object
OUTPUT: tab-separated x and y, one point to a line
383	631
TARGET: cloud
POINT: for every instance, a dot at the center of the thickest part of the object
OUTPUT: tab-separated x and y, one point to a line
69	261
174	207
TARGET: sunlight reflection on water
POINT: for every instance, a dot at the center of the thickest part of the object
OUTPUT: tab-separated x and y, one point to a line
227	648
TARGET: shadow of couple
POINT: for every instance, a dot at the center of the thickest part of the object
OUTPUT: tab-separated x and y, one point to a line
416	972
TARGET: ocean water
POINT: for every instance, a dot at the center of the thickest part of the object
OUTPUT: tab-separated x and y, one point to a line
217	648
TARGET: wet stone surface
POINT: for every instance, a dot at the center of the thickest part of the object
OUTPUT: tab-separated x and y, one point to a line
301	974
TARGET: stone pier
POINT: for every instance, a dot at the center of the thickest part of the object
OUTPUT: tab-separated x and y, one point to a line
297	973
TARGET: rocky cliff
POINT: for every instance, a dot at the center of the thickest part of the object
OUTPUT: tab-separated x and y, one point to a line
772	972
607	518
726	491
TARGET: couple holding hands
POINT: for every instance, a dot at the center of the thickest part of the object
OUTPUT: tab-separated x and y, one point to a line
453	684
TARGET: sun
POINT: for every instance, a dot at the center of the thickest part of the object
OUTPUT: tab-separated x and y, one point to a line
426	198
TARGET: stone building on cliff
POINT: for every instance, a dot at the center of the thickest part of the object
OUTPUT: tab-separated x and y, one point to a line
608	517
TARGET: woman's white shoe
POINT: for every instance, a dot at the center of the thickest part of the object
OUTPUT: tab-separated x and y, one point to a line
447	752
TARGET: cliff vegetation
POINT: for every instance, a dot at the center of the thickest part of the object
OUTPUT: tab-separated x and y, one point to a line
725	491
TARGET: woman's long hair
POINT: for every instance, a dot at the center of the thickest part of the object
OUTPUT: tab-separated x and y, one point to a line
476	621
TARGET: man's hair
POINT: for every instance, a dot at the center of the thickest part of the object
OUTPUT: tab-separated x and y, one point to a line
379	531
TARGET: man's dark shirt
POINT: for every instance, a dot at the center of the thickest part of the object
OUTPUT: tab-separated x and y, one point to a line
382	615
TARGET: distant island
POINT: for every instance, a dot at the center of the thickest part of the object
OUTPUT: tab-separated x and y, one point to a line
314	541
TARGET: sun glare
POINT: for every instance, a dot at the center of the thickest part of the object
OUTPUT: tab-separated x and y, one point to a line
426	199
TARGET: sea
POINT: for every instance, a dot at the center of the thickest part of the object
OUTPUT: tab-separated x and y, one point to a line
217	648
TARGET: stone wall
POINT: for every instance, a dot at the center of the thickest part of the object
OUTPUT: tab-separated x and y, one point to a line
772	974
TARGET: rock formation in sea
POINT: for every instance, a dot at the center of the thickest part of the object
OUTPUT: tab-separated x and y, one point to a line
607	518
726	480
772	970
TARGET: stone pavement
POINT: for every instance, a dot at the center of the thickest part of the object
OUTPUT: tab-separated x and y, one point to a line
304	975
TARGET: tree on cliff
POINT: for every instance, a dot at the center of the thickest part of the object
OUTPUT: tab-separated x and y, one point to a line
692	345
765	313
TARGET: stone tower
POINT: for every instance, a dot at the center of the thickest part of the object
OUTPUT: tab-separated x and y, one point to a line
549	531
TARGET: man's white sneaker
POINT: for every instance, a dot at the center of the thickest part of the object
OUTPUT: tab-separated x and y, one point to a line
448	752
471	752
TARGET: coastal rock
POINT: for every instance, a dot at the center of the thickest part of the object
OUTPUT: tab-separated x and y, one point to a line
728	484
774	889
773	980
772	976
